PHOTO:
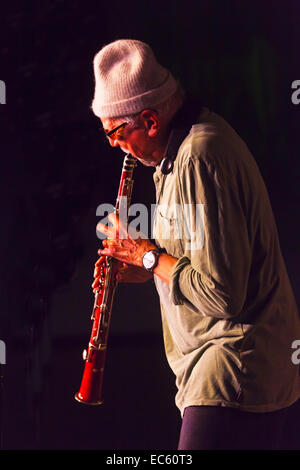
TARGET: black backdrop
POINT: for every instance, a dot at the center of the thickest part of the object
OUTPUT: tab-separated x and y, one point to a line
56	168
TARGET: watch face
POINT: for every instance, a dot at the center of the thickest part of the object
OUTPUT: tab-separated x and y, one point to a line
149	260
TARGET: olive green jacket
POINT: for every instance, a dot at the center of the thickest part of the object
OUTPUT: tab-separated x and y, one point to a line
229	316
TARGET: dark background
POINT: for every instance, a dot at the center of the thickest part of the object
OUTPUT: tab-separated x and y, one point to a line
56	168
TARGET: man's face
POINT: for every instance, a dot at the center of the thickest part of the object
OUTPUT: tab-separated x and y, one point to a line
133	140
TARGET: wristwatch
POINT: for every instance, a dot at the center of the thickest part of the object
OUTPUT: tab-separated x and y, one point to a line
150	259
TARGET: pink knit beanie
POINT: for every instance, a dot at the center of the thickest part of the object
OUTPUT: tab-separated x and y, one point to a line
128	79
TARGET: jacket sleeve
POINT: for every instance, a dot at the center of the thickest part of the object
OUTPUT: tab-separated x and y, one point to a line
212	276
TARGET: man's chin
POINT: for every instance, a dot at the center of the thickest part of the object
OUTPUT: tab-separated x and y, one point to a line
140	159
146	162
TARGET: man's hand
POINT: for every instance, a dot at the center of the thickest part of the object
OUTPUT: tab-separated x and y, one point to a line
121	245
126	273
130	250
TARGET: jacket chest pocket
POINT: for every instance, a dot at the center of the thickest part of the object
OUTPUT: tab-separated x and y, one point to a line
168	230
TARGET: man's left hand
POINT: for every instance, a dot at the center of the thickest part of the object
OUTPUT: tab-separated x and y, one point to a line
121	245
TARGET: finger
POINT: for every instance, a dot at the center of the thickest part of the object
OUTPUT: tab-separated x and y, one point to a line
108	243
108	247
96	272
113	218
119	227
105	252
103	229
100	261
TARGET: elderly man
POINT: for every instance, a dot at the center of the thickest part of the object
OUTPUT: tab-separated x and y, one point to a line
228	312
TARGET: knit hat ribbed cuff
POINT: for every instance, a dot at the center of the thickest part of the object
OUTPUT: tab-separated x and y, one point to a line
137	103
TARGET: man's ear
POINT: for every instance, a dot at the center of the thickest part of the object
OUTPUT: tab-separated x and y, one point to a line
151	122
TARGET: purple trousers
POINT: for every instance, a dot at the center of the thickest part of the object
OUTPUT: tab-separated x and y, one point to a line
216	427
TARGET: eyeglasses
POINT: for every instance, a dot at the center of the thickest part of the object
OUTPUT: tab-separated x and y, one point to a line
115	129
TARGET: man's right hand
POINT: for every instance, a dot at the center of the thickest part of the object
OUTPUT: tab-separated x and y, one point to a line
126	273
